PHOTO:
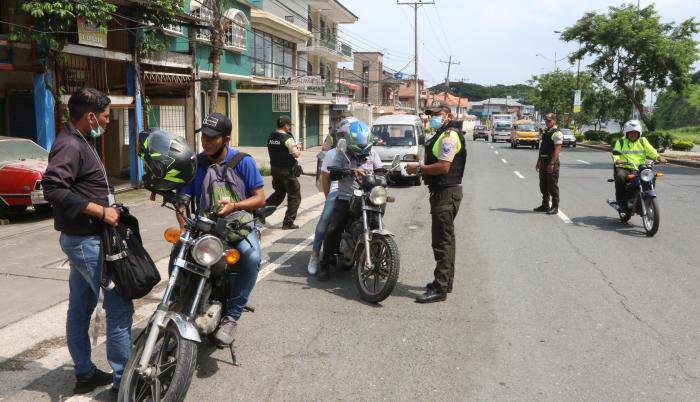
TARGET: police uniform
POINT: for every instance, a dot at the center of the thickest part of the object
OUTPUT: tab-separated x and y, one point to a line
445	197
284	181
549	182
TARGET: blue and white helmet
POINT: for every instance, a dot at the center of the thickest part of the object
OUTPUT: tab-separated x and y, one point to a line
358	136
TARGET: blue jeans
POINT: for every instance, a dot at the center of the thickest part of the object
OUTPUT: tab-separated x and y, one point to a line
322	224
85	259
247	274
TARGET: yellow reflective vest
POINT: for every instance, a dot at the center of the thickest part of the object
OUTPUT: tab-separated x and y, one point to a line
634	153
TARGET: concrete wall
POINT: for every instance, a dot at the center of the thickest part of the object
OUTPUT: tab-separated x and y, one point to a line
298	8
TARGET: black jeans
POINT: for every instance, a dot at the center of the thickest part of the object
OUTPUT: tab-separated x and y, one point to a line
285	184
444	206
549	183
334	232
620	186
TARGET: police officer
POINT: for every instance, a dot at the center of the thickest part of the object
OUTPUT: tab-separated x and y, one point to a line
445	160
284	152
548	165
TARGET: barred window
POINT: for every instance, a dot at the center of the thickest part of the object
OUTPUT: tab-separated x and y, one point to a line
202	10
235	35
281	103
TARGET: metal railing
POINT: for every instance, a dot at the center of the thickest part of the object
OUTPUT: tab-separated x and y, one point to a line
331	43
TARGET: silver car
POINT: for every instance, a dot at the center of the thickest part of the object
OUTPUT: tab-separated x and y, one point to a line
569	137
400	135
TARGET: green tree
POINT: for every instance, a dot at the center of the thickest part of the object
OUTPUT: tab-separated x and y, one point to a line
554	92
628	44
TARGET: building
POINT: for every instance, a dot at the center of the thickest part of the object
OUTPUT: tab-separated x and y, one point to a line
296	53
458	105
507	105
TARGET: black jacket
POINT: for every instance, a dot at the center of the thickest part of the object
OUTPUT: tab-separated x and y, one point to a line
73	178
279	153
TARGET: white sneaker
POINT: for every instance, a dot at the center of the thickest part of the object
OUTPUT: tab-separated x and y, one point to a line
312	268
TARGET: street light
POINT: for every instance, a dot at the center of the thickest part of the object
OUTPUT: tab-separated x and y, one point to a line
555	59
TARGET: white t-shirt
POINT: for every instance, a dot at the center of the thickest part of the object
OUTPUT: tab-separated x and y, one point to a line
348	183
327	160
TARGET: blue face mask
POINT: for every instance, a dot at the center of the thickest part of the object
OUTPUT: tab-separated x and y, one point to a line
435	122
96	132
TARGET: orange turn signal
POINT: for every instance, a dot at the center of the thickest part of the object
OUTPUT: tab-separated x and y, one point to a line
631	177
659	174
232	256
172	235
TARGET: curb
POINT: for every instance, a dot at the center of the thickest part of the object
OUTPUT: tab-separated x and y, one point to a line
681	162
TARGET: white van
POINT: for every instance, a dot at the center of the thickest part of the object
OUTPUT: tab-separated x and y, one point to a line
399	135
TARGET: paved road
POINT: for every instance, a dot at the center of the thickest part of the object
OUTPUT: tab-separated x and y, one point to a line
570	307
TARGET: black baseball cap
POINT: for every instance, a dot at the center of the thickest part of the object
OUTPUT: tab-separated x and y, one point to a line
215	124
282	120
437	108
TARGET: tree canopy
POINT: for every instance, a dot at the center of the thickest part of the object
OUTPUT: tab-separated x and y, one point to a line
628	44
476	92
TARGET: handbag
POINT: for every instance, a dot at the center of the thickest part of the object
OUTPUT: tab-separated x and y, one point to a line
126	263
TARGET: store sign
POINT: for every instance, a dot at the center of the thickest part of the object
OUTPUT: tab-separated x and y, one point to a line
89	34
342	100
303	82
577	101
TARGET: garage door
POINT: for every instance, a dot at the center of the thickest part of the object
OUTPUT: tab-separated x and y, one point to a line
312	125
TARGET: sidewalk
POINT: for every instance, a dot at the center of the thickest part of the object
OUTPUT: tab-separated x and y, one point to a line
307	160
688	159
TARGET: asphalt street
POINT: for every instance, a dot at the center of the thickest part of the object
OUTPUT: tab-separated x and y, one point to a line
570	307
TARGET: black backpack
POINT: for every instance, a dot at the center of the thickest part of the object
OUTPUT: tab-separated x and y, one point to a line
126	262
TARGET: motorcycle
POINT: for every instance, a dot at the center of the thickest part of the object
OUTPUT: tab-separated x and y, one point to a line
164	356
641	196
367	246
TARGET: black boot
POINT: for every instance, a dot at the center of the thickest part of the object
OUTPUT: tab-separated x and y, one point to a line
322	274
554	210
432	295
542	208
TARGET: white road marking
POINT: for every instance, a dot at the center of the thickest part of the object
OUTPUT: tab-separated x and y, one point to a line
518	174
271	267
504	161
563	217
495	152
491	146
584	162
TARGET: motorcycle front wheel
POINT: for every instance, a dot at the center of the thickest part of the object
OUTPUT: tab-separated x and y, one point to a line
173	361
378	281
650	220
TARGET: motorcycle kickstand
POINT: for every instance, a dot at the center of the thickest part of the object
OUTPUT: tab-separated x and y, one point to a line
233	355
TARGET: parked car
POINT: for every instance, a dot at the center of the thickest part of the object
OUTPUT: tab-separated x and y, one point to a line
399	135
569	137
22	167
524	133
481	132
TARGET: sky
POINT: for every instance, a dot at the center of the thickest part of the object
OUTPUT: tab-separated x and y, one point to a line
495	42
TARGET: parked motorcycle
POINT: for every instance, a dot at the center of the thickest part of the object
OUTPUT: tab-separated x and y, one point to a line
164	356
641	197
367	246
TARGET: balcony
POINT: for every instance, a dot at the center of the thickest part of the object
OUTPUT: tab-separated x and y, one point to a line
328	47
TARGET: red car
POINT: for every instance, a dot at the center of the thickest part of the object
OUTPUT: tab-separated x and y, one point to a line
22	166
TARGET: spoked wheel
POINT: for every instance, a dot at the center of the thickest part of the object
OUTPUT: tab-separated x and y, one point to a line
172	365
375	283
651	219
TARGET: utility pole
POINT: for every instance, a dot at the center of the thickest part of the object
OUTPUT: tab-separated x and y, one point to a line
634	80
447	79
415	5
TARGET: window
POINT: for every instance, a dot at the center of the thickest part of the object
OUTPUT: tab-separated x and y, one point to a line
274	57
237	25
281	103
289	18
174	29
202	10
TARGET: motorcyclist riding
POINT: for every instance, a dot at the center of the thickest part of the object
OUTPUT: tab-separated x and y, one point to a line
634	151
360	156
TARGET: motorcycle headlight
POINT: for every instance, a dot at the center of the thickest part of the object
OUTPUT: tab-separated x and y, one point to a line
378	195
647	175
207	250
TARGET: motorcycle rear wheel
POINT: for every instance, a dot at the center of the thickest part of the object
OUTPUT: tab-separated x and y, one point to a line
651	219
377	283
174	359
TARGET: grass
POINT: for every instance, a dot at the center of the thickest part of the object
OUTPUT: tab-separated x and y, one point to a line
265	171
691	133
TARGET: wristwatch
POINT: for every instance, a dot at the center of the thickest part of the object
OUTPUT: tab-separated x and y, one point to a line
419	170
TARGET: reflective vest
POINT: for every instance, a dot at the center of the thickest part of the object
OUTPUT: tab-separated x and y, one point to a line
547	143
634	153
454	175
277	148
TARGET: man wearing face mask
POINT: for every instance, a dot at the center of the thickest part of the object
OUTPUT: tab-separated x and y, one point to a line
445	160
75	183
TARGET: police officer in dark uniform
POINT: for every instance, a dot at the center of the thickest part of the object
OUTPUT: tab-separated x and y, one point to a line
548	165
284	152
445	160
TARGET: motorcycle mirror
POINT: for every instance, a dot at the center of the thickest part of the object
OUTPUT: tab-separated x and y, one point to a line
342	145
661	150
395	162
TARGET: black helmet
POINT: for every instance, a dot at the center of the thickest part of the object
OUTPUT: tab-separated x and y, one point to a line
167	159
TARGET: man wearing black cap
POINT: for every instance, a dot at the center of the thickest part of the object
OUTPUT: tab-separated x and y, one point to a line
445	159
284	152
244	192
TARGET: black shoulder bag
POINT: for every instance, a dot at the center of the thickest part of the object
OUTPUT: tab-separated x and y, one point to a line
125	262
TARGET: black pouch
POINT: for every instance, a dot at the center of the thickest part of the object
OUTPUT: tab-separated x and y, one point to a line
297	170
125	262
